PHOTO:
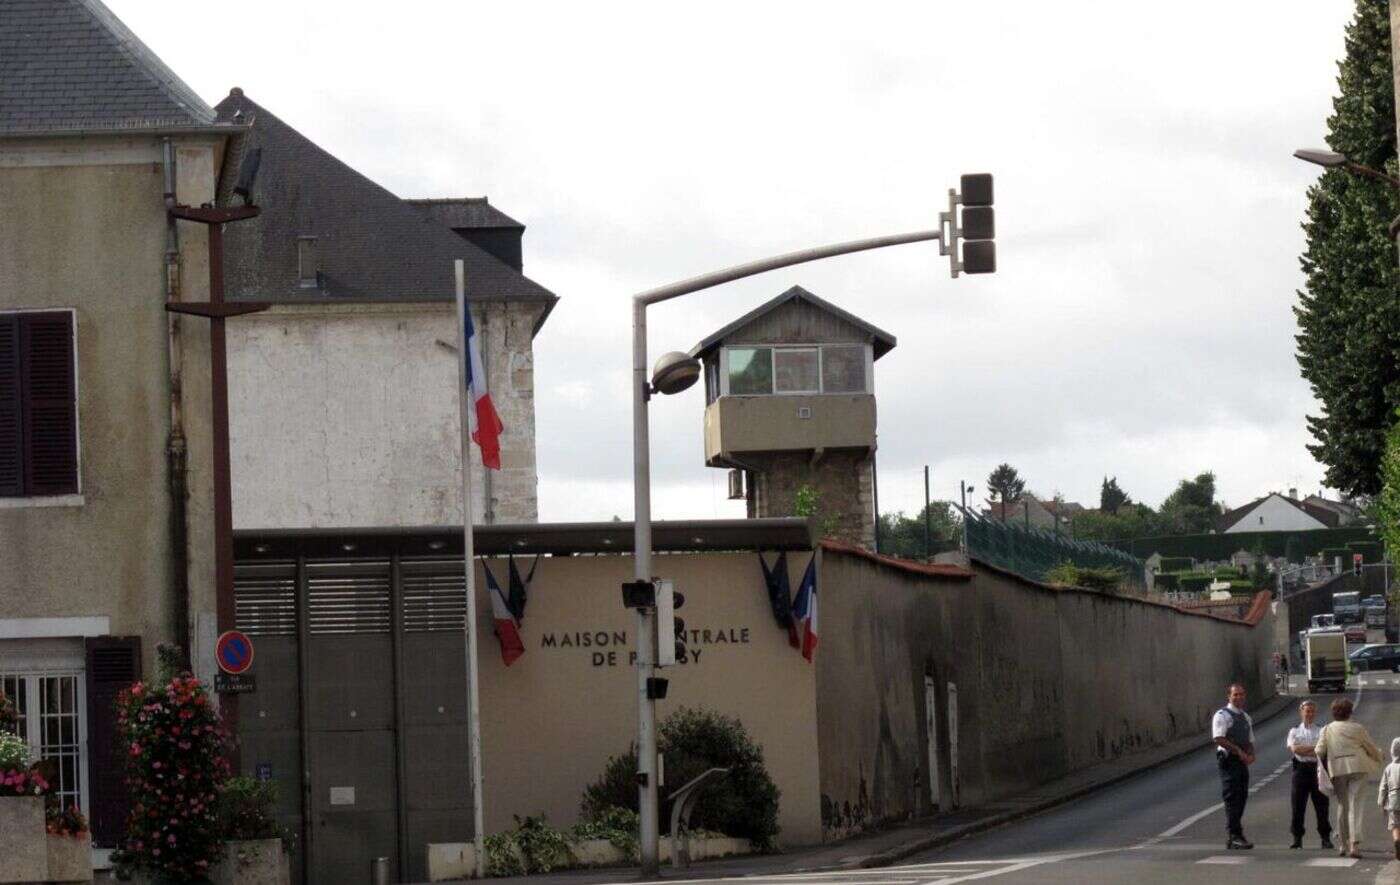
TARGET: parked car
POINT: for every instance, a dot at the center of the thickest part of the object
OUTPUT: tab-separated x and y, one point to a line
1376	657
1374	601
1356	632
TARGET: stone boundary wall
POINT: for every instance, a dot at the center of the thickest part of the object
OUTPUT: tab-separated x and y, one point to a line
1048	681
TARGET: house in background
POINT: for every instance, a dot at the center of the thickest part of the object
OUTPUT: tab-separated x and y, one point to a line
790	406
1278	513
1040	513
106	470
343	396
1347	512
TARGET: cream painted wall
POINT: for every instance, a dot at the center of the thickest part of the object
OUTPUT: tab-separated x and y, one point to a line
1278	516
552	719
84	228
346	415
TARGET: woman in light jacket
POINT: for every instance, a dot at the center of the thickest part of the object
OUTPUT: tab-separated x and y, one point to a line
1350	755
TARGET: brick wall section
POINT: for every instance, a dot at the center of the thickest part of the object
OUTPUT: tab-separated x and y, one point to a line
844	482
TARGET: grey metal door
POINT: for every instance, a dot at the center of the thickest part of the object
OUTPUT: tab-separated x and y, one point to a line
360	709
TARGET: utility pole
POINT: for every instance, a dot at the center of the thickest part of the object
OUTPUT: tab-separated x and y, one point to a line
928	532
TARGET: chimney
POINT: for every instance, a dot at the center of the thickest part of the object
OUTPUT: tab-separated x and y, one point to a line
1293	493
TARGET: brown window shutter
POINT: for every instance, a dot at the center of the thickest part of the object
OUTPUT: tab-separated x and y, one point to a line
49	403
11	424
113	663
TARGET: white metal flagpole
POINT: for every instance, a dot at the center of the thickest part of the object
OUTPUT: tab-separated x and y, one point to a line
468	555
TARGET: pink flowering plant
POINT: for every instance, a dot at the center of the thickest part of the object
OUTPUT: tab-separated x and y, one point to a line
173	744
17	776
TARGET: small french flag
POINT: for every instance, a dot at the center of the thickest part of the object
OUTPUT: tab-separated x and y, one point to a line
804	609
485	424
507	627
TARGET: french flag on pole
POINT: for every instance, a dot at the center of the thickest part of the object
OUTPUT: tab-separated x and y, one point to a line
507	627
804	609
485	424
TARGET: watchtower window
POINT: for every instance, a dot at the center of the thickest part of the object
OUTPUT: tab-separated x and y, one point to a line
843	368
750	370
795	369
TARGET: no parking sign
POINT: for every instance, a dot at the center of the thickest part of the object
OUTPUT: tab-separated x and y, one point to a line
234	652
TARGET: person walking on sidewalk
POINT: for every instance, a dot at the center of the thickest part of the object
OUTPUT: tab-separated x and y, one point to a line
1389	795
1350	755
1301	740
1233	732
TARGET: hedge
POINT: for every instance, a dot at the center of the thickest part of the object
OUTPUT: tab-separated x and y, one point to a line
1220	547
1194	583
1177	564
1370	551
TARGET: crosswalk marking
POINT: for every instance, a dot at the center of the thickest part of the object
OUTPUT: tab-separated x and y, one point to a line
1331	862
1224	859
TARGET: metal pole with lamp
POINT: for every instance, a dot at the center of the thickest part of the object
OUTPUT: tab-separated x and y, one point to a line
675	372
1334	160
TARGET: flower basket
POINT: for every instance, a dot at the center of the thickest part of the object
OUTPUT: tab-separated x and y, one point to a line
69	858
23	850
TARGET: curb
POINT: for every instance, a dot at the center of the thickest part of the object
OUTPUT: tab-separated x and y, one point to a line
1279	703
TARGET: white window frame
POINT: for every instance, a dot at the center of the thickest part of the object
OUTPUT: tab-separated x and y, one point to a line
773	372
74	499
61	666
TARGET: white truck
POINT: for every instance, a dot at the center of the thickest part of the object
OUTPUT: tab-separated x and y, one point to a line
1326	653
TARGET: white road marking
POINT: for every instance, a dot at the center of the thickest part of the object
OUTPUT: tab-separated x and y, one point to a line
1224	859
1331	862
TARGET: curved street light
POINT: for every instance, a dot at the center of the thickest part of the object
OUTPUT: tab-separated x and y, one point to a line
676	371
1334	160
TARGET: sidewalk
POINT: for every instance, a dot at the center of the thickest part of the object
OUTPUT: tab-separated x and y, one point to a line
889	846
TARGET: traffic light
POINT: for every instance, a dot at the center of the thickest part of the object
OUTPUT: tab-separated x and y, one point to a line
975	226
670	630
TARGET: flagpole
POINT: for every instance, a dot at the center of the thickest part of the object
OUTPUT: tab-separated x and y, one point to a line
468	554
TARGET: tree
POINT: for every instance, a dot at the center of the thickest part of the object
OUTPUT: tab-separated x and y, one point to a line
1192	508
1388	502
1349	316
903	536
1111	497
1132	521
1005	485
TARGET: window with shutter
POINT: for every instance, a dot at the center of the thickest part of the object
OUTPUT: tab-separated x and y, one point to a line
38	405
113	663
11	427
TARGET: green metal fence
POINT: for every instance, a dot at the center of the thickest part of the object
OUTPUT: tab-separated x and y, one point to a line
1031	553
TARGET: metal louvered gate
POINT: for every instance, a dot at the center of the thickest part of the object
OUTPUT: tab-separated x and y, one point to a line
360	710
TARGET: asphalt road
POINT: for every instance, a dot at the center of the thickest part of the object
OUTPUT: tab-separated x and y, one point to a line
1167	825
1164	826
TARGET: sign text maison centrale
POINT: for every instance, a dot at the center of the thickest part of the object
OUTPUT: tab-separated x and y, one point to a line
609	646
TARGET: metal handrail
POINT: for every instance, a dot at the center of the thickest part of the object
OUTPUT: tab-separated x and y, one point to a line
683	805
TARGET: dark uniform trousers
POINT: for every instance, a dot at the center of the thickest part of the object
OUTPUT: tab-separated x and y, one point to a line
1305	787
1234	790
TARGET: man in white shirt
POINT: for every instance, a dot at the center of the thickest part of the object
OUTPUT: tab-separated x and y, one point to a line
1301	740
1233	732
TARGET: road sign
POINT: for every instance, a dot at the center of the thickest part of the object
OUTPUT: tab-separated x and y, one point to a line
234	652
235	683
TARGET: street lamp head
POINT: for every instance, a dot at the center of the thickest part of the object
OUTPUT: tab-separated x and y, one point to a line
674	372
1326	159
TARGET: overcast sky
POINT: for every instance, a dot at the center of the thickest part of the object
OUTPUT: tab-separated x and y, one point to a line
1148	208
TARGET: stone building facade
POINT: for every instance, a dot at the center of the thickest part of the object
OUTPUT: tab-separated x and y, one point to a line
106	467
343	394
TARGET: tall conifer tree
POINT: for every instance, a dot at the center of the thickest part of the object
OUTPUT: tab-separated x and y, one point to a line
1349	314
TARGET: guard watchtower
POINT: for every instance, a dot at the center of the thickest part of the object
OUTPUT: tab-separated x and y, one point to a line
790	405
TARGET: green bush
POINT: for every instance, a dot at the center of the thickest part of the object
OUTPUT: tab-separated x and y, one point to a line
1194	583
743	803
1166	582
532	847
1177	564
1371	551
1067	574
246	810
620	826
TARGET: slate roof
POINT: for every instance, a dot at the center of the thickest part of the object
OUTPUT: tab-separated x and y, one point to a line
883	341
371	244
72	66
466	212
